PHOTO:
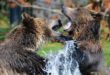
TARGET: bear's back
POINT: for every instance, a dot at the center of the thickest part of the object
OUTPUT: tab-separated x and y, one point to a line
18	61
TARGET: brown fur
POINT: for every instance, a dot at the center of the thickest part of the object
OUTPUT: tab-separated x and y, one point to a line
85	30
94	5
97	7
17	52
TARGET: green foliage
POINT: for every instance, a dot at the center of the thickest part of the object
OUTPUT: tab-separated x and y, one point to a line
3	32
106	50
50	47
4	22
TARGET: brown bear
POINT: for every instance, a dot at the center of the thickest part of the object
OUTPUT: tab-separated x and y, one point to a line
17	52
84	29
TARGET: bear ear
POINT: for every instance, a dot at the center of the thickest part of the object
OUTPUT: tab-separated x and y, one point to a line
26	16
27	20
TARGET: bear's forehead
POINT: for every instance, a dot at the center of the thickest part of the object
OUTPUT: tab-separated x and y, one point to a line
39	21
81	11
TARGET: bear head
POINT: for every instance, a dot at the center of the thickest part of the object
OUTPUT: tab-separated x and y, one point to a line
82	24
32	33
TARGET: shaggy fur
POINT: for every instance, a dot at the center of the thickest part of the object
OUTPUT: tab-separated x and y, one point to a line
17	52
85	30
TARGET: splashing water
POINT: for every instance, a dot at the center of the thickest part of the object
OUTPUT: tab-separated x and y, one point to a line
63	63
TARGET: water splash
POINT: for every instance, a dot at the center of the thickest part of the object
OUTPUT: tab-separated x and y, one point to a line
63	63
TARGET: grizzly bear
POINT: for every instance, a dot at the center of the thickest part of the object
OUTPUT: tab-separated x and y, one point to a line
17	52
84	29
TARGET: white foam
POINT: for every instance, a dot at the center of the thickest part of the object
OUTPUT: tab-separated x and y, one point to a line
63	63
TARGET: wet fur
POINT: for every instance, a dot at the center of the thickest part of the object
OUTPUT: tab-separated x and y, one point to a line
17	52
85	30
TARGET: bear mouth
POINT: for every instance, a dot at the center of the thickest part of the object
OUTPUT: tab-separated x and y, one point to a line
67	26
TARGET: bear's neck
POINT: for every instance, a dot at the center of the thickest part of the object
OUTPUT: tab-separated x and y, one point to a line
89	31
32	42
27	41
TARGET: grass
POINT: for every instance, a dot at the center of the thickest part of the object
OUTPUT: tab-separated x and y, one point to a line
4	26
4	23
3	32
50	47
106	50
